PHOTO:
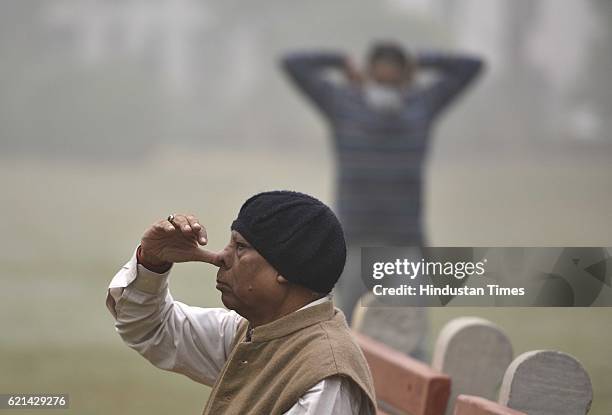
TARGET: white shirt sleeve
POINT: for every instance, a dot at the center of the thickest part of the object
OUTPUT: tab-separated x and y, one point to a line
335	395
173	336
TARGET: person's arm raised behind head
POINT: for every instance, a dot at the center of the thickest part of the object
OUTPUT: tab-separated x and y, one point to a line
308	72
454	72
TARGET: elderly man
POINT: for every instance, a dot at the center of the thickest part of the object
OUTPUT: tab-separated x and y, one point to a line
283	348
381	121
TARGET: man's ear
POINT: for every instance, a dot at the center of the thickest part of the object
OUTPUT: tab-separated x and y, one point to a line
281	280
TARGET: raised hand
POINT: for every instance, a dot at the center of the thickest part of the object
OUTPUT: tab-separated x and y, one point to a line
181	240
351	72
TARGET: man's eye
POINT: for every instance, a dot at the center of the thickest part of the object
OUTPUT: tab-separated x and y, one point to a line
240	246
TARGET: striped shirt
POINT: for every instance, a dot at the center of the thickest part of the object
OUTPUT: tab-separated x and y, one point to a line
380	155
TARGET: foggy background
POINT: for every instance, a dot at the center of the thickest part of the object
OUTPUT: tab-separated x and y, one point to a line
114	114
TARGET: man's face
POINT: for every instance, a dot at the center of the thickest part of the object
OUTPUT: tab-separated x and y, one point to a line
248	283
388	73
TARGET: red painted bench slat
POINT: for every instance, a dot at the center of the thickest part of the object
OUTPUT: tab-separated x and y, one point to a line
403	382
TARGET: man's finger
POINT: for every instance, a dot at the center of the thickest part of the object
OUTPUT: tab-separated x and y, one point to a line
198	229
181	222
203	237
163	226
168	226
210	257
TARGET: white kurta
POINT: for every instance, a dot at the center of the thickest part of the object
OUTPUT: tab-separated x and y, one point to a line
196	341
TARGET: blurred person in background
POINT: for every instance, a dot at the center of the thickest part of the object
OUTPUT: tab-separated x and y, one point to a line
381	121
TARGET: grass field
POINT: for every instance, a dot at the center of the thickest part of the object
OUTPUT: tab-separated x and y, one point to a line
68	226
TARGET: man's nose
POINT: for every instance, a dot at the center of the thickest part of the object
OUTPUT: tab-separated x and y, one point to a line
225	258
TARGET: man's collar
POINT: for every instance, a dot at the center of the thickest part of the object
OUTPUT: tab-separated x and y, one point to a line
316	302
312	313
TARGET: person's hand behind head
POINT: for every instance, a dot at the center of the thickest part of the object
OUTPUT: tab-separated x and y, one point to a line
351	72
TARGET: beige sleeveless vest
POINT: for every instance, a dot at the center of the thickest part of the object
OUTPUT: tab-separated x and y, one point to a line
285	358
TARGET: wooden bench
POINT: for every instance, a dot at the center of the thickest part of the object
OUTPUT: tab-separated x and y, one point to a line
547	382
474	352
402	328
404	384
475	405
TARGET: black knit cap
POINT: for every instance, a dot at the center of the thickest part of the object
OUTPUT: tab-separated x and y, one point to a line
297	234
